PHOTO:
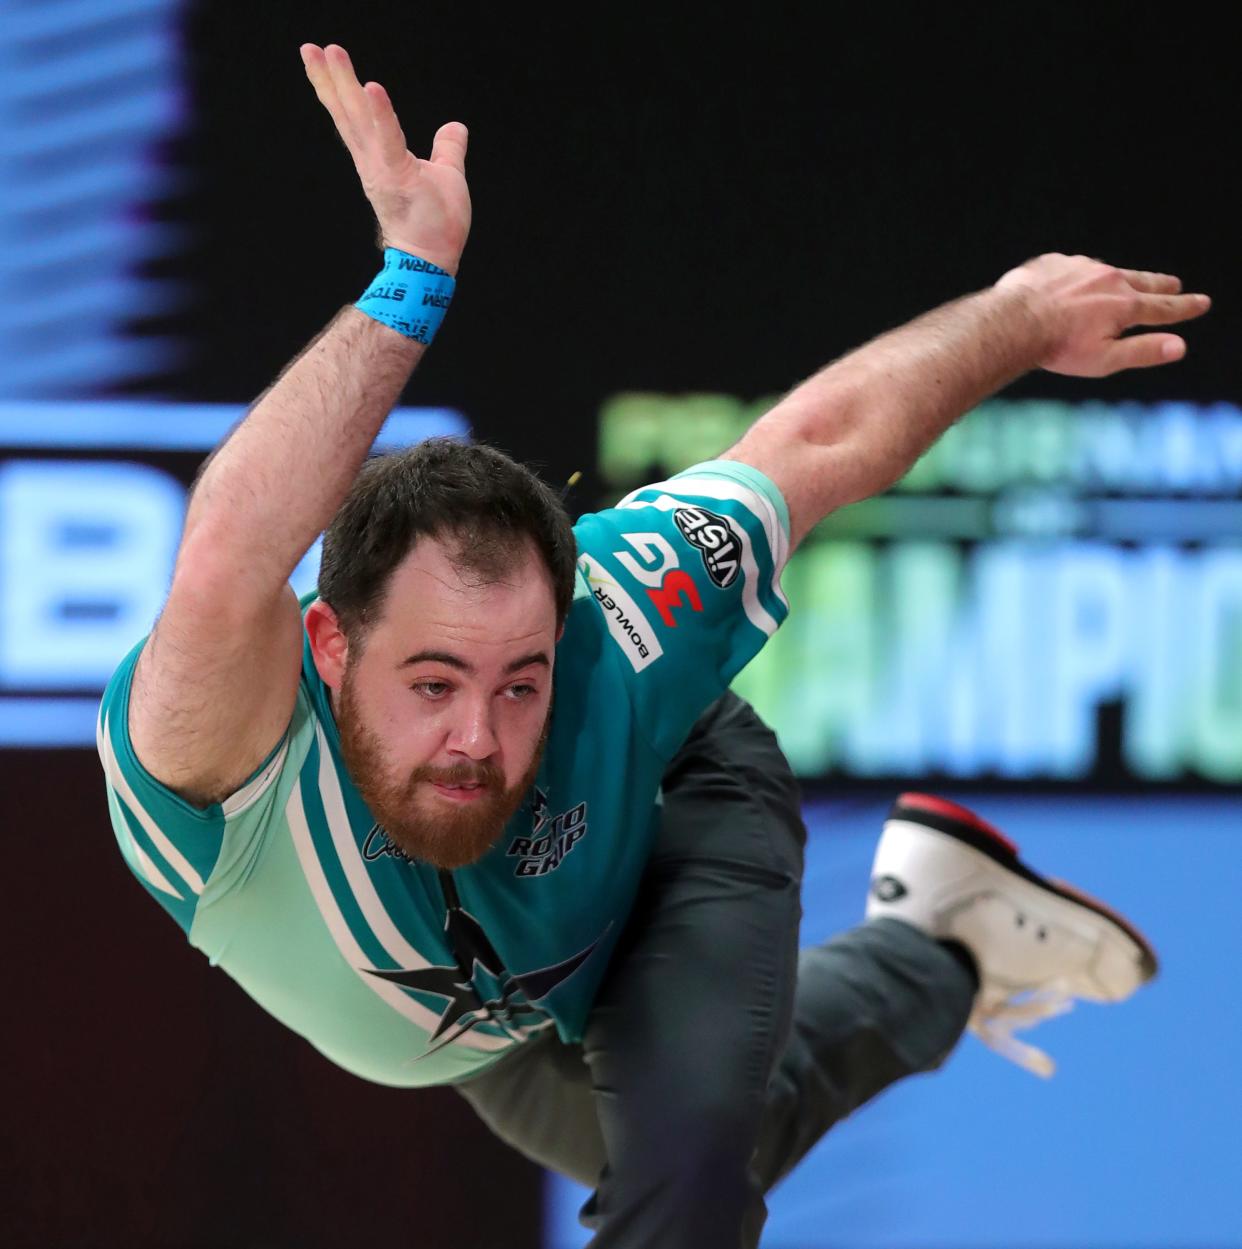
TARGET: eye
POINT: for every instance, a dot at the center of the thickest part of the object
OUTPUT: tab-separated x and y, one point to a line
519	693
431	689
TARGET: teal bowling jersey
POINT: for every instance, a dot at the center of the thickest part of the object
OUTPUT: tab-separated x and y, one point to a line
410	976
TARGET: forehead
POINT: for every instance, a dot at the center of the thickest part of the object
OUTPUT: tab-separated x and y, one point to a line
431	591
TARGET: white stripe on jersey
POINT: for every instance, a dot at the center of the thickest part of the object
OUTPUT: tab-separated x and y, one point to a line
755	502
756	613
151	872
249	794
134	854
142	861
386	932
116	778
401	1002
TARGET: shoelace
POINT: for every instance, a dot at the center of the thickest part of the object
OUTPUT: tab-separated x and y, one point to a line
995	1025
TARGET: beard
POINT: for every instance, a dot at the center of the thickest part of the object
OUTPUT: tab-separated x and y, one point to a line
444	838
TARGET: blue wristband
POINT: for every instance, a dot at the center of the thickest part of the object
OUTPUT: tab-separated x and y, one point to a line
409	295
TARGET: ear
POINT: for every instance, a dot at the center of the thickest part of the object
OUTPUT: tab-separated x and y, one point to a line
328	643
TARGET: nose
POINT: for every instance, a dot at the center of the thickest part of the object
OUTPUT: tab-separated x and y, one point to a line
473	733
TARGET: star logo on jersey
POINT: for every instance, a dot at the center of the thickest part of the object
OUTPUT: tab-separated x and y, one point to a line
488	992
539	810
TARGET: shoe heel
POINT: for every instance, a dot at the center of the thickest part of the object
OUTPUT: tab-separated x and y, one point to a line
957	821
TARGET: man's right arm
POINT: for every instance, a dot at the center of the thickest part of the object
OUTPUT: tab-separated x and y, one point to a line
858	425
215	685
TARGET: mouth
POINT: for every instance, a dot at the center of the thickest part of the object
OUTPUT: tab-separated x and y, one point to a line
470	792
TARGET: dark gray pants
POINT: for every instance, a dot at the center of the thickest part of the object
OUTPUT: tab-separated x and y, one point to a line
717	1055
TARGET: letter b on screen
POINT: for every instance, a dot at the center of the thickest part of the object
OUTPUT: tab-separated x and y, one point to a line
86	555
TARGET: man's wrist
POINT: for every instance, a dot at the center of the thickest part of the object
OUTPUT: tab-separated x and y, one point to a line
1035	315
409	294
443	258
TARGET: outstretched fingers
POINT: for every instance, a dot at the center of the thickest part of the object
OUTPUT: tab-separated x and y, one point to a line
388	132
1153	283
1155	305
421	206
364	115
348	89
1143	351
321	79
1168	309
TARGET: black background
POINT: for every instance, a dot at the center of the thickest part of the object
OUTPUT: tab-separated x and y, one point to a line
700	200
692	202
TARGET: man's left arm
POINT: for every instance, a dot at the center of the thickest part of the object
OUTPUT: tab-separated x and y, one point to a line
686	575
857	426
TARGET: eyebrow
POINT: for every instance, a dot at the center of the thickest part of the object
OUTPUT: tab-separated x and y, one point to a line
456	661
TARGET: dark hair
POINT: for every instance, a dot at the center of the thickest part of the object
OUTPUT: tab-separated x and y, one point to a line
487	503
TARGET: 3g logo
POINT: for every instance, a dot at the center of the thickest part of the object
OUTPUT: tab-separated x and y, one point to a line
668	585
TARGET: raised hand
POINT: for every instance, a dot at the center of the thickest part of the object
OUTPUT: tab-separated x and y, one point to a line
1089	305
422	206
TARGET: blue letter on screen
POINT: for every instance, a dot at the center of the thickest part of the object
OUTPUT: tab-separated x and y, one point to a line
86	556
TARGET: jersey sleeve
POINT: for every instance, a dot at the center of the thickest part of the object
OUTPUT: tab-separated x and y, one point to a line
187	856
686	573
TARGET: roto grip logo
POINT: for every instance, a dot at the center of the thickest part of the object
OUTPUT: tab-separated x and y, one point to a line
543	852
